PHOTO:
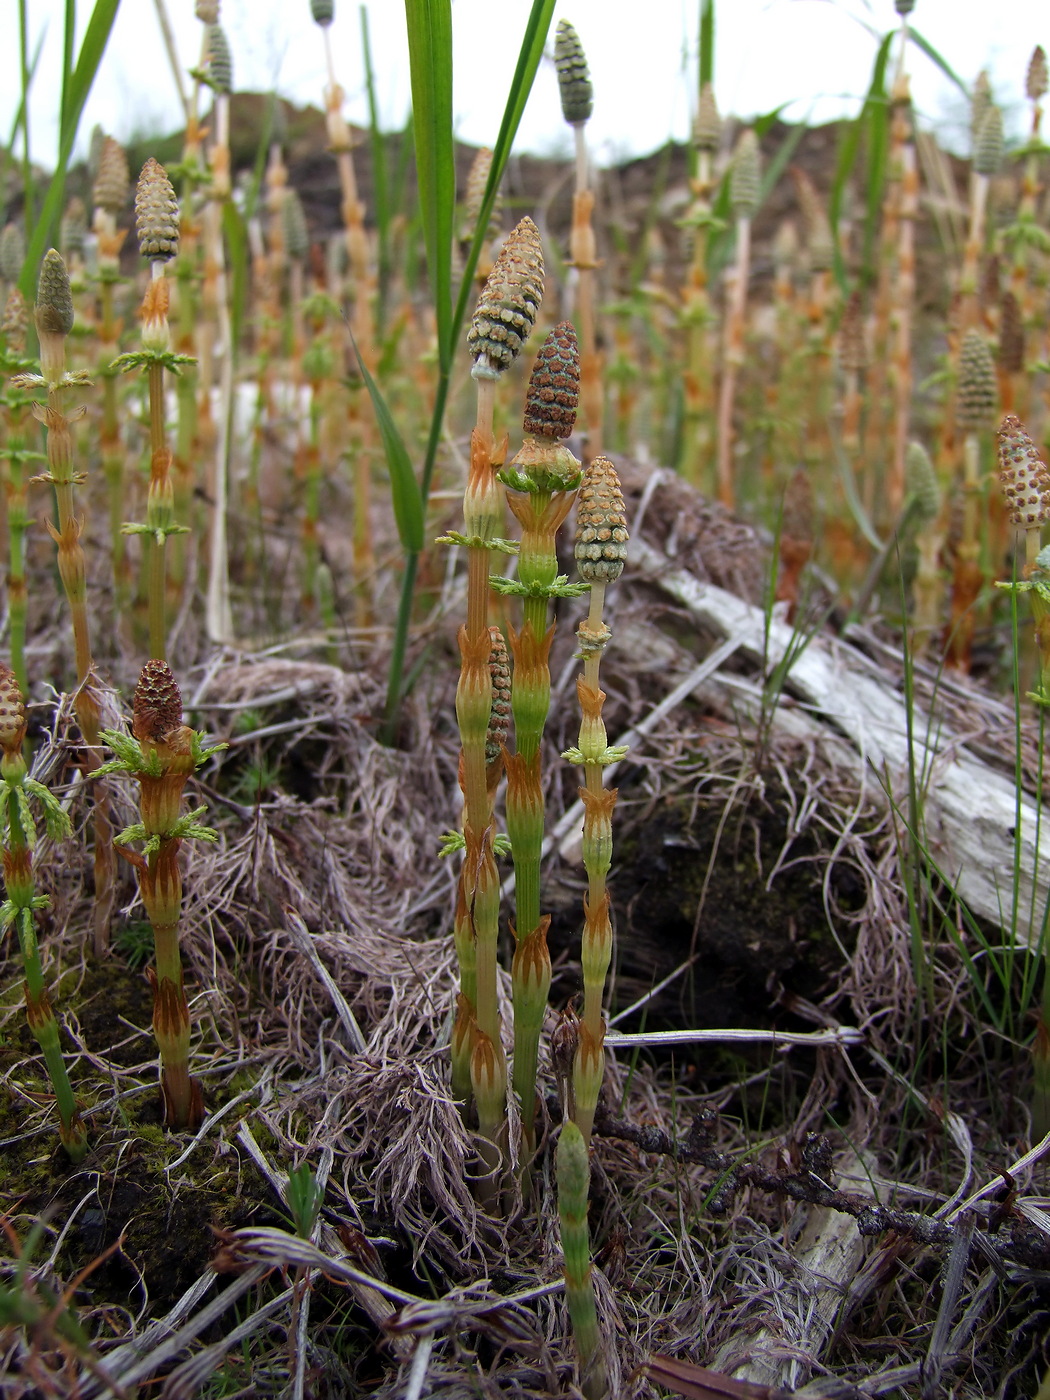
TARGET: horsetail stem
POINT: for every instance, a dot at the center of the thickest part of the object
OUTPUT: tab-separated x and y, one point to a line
574	1175
157	224
577	103
54	321
975	403
15	452
601	551
1025	482
502	320
161	753
541	481
18	835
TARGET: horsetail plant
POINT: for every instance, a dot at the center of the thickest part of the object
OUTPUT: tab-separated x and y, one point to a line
18	835
161	753
14	455
577	104
697	313
541	483
157	224
1025	483
601	551
54	321
109	195
502	321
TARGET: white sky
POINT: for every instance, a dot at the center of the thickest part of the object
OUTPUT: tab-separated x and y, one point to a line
813	54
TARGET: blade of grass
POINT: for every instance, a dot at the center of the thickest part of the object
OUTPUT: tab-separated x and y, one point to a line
42	235
942	63
380	196
430	59
707	41
68	41
407	501
28	211
873	120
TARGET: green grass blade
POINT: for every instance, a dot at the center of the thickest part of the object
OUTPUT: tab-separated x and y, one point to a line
942	63
707	41
872	121
42	236
430	58
529	56
380	194
404	489
68	40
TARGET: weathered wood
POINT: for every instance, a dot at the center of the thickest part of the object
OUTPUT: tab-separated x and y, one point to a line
969	811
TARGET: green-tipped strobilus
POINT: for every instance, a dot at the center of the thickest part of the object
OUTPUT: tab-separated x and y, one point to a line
161	753
18	834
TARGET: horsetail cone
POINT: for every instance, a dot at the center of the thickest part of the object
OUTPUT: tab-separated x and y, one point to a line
601	524
54	297
904	7
853	351
16	321
477	181
1036	78
12	252
12	712
220	60
499	718
157	703
745	177
1023	476
707	129
74	227
111	183
293	223
988	149
977	395
574	79
510	300
922	482
323	11
554	385
207	11
980	101
156	213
